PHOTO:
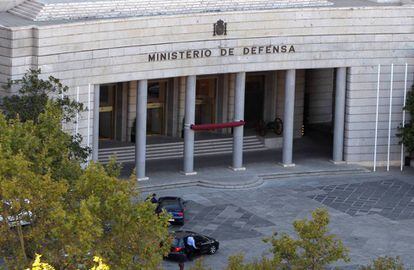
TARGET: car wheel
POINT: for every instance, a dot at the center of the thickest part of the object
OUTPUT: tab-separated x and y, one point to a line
213	249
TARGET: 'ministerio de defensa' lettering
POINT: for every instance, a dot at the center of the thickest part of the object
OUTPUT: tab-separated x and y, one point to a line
205	53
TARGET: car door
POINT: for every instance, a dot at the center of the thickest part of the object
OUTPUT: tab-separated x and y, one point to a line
202	243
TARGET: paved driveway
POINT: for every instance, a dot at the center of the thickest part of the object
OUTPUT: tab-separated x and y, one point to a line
372	212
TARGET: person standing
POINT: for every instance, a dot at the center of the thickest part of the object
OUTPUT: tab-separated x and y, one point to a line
152	198
191	246
181	265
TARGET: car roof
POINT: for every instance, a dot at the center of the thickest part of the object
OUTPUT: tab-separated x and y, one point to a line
169	198
183	233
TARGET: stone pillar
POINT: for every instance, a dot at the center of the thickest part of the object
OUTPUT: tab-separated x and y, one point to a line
288	119
95	132
238	115
141	129
189	119
339	118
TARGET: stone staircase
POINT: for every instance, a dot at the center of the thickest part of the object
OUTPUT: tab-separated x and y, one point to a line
175	150
28	9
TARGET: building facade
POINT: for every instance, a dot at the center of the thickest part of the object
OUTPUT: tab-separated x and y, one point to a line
161	71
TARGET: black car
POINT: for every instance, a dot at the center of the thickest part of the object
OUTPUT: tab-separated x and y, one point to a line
174	206
181	251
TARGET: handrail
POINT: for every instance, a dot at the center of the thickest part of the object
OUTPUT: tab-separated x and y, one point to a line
217	126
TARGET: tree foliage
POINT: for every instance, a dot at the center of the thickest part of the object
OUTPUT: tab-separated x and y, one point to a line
199	265
236	262
385	263
407	133
313	249
43	144
39	265
74	212
30	103
34	93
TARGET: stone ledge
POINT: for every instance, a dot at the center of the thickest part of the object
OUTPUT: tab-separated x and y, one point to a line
87	9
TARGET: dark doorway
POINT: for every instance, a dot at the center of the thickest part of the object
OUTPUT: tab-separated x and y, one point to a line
254	100
318	111
107	106
156	107
205	110
111	113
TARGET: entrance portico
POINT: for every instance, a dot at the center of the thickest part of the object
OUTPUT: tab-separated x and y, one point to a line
204	97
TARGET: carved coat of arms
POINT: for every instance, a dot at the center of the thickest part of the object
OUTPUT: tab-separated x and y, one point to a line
220	28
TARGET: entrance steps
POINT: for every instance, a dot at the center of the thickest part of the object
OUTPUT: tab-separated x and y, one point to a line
175	150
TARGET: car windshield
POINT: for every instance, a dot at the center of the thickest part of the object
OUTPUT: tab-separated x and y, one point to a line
170	205
178	242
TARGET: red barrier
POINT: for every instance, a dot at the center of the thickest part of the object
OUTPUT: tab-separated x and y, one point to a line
217	126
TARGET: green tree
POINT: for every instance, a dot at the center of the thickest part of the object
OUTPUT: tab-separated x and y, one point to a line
26	195
236	262
43	144
73	212
314	248
407	133
199	265
32	96
129	232
385	263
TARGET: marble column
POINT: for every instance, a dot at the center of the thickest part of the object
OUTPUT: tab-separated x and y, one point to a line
238	115
189	119
288	119
141	129
339	118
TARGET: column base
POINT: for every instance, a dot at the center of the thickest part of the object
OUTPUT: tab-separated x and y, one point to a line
240	169
341	162
188	173
143	179
284	165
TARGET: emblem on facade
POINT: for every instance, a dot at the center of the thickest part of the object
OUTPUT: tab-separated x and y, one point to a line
220	28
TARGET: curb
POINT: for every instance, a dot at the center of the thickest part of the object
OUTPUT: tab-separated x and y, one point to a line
203	183
258	181
313	173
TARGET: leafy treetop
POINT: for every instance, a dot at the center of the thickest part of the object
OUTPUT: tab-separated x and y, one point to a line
31	101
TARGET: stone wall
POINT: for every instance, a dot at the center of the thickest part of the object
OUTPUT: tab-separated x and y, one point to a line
5	58
361	111
320	91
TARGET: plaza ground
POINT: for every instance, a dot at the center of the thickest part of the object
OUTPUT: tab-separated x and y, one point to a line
373	213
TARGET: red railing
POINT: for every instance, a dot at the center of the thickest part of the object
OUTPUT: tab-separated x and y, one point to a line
218	126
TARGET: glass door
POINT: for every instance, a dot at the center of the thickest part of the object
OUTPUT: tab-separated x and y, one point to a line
156	107
106	111
205	101
254	100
